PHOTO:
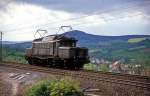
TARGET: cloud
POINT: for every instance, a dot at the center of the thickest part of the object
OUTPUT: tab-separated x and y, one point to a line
21	18
24	19
88	6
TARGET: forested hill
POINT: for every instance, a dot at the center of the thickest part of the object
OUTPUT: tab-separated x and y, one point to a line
88	39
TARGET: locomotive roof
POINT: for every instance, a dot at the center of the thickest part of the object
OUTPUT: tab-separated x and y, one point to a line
54	38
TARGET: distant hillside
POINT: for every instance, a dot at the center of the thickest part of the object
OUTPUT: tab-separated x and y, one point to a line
86	39
111	48
20	46
9	42
80	35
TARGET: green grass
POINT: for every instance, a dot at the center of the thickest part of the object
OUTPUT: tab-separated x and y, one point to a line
136	40
90	66
102	67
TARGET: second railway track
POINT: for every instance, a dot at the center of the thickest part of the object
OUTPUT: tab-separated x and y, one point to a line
115	78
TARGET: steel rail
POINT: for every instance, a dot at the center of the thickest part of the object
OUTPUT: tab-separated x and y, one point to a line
89	75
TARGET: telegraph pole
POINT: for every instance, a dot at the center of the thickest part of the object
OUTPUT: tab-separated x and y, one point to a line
1	46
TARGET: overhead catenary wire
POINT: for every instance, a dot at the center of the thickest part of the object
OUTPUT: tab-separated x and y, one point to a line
91	22
54	28
106	20
101	12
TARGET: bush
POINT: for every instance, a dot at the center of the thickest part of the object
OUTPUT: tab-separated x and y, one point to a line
62	87
39	89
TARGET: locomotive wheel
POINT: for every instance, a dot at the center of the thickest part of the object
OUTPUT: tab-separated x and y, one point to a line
58	63
50	63
79	66
30	61
44	62
70	65
35	61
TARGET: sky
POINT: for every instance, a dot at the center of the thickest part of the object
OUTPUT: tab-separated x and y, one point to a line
20	19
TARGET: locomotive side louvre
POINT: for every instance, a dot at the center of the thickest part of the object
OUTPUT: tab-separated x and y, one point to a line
42	44
73	52
66	52
42	52
43	49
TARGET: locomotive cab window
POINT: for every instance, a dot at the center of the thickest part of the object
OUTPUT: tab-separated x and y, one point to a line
68	44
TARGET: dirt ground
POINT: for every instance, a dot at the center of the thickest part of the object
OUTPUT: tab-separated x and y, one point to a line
5	88
13	80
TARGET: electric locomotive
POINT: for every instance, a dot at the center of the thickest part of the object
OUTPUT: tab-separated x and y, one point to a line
57	51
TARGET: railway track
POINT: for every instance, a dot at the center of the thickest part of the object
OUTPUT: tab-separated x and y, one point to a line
108	77
138	78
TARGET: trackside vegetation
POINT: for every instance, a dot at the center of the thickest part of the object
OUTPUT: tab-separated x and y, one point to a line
55	87
13	55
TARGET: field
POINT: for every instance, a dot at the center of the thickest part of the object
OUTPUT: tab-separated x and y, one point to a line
136	40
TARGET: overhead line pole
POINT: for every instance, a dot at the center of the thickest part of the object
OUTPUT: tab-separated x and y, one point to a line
1	46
